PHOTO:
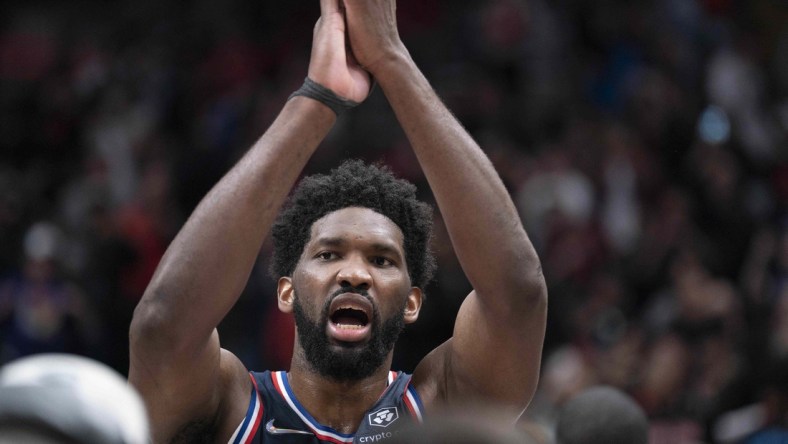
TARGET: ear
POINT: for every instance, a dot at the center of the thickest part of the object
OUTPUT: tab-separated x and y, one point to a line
285	294
413	305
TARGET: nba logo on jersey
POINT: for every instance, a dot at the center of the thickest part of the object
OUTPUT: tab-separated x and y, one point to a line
383	417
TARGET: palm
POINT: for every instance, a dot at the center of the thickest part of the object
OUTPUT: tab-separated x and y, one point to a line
332	65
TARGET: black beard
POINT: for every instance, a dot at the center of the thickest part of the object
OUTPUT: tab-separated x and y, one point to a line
349	362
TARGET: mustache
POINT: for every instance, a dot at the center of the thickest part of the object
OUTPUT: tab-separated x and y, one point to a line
349	289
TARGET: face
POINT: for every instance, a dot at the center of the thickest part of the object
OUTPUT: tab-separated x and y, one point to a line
350	293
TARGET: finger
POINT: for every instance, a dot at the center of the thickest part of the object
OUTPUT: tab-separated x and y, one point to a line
329	6
317	26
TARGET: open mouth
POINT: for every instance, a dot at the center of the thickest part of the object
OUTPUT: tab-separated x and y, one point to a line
350	318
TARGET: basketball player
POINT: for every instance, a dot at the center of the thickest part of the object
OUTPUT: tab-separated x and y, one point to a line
352	260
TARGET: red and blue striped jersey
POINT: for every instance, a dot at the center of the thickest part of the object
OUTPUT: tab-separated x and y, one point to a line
274	414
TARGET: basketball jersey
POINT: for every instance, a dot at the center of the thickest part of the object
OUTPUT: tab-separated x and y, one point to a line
274	414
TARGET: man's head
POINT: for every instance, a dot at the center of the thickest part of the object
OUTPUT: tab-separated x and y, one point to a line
355	184
352	253
58	398
602	414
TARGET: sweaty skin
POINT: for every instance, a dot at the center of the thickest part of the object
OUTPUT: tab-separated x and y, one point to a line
188	381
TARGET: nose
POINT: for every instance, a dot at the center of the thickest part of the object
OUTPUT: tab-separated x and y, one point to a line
354	273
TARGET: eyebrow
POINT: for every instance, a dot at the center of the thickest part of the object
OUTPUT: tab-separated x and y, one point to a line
330	241
377	247
386	249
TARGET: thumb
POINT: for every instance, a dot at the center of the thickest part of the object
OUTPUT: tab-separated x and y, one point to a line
329	6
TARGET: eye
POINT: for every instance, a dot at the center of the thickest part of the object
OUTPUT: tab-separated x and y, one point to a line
381	261
326	255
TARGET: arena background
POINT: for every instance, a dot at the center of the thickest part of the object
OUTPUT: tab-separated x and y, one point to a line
644	143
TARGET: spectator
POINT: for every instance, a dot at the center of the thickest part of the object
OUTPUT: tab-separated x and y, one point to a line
59	398
602	414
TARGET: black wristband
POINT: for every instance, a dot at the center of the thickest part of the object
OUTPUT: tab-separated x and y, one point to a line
316	91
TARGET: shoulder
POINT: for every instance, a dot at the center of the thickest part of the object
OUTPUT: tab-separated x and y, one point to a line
408	395
238	387
429	379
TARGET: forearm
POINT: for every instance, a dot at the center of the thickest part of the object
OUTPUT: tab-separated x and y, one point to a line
206	267
482	221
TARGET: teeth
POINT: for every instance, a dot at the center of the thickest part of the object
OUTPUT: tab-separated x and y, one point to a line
349	327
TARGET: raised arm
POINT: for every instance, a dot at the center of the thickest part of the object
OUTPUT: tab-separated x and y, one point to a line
495	351
176	361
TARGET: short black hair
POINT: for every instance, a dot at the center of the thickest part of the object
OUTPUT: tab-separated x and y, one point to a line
602	414
355	184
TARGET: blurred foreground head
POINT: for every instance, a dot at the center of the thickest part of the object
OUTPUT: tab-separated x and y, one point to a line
57	398
602	415
462	427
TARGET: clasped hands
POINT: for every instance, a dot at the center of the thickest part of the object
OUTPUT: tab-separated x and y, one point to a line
352	41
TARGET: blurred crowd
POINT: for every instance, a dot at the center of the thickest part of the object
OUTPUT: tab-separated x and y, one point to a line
645	143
